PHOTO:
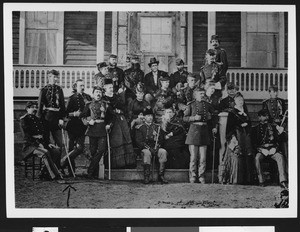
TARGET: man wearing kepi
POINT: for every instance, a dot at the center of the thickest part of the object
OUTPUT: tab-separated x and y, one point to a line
199	114
265	139
122	154
36	142
75	127
93	115
149	139
51	108
180	76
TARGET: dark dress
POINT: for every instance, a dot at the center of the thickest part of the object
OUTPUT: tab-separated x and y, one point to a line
122	154
238	158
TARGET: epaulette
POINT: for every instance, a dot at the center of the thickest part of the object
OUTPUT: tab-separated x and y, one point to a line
138	126
88	102
23	116
190	102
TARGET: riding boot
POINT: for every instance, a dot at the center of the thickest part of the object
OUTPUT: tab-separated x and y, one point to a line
161	174
146	173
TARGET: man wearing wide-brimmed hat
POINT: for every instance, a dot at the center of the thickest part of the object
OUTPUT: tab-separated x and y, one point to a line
152	82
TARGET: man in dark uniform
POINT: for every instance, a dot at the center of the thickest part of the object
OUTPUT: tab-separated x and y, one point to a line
103	73
115	73
265	139
276	108
36	143
132	77
211	71
51	108
149	139
199	114
180	76
221	56
75	127
93	115
151	79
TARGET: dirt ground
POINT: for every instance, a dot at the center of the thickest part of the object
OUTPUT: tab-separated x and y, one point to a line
133	194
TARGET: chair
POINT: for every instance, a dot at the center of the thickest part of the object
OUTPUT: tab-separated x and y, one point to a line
32	165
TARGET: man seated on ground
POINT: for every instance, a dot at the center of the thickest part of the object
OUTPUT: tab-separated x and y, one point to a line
174	135
265	139
149	138
36	144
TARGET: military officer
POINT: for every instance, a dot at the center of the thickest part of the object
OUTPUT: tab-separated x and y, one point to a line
103	73
180	76
199	114
221	55
36	143
75	127
51	108
211	71
115	73
265	139
149	140
94	115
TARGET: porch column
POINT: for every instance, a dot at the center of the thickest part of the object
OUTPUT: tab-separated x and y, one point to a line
190	42
114	37
100	36
22	38
281	41
211	28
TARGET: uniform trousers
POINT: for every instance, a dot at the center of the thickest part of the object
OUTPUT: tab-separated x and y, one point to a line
280	160
147	155
98	146
197	161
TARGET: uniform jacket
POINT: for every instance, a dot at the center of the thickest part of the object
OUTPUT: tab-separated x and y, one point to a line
177	77
221	56
179	134
149	81
146	135
132	77
136	107
212	72
116	72
51	96
32	125
203	108
99	79
276	108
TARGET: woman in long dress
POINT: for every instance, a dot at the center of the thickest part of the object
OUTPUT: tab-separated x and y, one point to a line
239	163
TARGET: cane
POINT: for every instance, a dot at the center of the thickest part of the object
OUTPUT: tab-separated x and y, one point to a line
66	148
213	162
108	147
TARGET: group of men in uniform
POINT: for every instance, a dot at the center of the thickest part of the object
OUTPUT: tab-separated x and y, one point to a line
156	113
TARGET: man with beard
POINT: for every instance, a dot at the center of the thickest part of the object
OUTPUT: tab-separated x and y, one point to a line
36	143
103	73
132	77
94	115
51	109
221	56
75	127
265	140
180	76
151	80
149	139
115	73
174	135
120	139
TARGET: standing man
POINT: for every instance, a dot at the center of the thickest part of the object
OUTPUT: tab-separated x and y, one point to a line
151	80
180	76
103	73
36	143
199	114
75	127
149	139
51	108
221	55
115	73
93	115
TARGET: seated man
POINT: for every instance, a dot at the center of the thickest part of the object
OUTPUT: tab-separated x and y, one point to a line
265	138
174	135
36	143
148	139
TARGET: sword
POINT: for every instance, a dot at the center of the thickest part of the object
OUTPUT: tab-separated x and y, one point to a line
64	140
109	162
213	164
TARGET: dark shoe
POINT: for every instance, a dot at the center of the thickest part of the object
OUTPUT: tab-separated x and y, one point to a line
162	179
161	174
146	174
262	184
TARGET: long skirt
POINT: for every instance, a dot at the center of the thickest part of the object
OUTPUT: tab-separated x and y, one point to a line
122	154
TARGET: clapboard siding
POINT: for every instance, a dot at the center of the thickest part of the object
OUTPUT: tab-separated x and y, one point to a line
80	38
199	39
228	27
15	36
285	39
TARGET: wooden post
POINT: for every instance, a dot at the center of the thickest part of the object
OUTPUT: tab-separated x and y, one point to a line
243	39
211	30
100	35
22	38
114	31
190	41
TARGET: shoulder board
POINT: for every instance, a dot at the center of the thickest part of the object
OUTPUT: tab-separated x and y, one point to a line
88	102
139	126
190	102
23	116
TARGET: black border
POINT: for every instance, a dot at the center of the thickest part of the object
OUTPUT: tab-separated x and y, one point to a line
113	224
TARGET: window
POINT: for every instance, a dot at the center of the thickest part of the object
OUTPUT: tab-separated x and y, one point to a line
156	34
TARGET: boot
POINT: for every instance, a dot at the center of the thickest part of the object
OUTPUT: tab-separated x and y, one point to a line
146	173
161	174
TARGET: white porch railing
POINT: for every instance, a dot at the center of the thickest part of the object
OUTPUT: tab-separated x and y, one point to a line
253	83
